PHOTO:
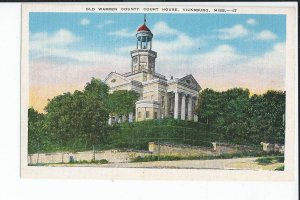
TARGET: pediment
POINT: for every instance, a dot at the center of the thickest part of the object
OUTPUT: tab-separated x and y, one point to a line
114	79
189	81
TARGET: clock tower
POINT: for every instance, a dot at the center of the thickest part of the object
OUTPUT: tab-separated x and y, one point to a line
143	58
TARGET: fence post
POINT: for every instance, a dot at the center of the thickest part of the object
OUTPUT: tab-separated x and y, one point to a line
158	150
93	152
38	158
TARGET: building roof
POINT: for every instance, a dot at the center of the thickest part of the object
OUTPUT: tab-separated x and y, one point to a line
143	28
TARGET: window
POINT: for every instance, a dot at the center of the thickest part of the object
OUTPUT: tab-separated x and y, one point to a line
155	115
139	115
147	114
113	81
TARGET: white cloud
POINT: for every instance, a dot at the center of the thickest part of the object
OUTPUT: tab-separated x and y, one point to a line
224	48
43	40
224	67
84	21
251	21
162	28
123	33
106	22
181	43
266	35
55	46
234	32
221	68
178	42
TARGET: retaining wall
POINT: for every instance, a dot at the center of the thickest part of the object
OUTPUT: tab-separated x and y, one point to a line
118	156
115	156
187	150
178	150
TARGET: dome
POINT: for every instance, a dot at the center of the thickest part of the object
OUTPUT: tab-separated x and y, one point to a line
143	28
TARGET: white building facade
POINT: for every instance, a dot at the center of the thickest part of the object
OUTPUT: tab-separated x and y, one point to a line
159	97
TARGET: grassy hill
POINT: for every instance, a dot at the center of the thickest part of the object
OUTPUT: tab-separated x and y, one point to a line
137	135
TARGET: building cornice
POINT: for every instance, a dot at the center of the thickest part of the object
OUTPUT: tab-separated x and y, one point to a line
147	104
157	80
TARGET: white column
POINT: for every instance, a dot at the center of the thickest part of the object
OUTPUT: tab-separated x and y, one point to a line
195	118
136	114
167	105
130	117
176	105
190	108
183	107
124	118
195	115
109	120
116	119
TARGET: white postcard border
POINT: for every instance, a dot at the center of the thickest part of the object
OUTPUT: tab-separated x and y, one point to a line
167	174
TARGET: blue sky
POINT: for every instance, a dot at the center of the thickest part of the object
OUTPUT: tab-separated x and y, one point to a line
95	34
221	51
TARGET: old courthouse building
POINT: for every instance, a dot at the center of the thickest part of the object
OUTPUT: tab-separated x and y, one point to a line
159	97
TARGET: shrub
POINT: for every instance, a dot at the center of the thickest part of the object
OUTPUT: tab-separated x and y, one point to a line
209	157
281	168
103	161
280	159
270	160
79	162
264	160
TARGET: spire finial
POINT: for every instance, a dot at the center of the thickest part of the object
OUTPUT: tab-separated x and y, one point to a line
144	18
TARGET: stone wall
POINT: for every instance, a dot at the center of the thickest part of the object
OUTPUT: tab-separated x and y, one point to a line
187	150
118	156
223	148
114	156
178	150
268	147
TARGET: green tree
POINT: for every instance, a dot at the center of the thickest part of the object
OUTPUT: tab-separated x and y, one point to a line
79	120
122	102
267	117
209	106
95	112
239	118
36	137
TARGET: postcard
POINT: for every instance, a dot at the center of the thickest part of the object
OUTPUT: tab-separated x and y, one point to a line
158	91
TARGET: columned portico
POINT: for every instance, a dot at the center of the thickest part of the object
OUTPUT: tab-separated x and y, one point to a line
182	104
